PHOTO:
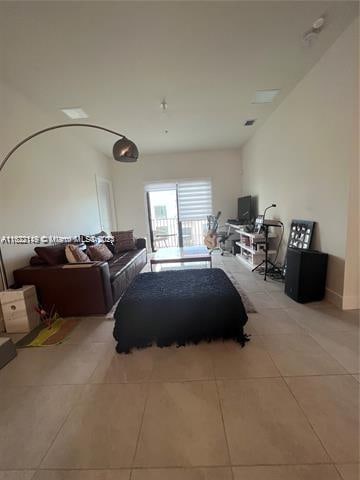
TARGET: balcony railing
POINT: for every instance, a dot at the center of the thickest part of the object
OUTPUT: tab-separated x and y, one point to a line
166	232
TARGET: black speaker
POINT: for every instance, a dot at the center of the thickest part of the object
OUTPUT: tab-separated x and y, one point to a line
305	275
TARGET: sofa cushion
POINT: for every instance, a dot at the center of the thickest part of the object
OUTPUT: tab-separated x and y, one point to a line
124	241
99	253
52	254
96	238
74	254
120	262
36	261
121	281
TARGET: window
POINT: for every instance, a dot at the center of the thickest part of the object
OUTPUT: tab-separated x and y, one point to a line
177	212
194	200
160	212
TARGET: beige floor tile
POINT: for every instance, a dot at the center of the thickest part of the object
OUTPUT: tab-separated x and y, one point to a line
263	300
182	427
349	316
249	285
82	475
322	320
343	346
331	404
102	430
30	418
119	368
17	475
232	361
264	424
271	285
350	471
191	362
299	354
274	321
311	306
58	365
93	330
357	377
216	473
283	300
249	328
297	472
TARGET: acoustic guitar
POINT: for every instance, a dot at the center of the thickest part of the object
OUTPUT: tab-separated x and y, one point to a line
210	238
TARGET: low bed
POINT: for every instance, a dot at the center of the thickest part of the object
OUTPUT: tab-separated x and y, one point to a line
179	307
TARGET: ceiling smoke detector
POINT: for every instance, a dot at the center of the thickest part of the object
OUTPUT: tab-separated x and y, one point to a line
319	23
314	31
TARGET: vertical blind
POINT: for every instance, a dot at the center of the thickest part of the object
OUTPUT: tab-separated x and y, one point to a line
194	200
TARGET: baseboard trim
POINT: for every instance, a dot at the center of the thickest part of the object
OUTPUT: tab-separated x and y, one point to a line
351	302
334	298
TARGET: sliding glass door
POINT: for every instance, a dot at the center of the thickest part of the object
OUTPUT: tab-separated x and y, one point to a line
177	213
163	216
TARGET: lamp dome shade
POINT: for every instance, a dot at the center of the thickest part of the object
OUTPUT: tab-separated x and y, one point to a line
125	150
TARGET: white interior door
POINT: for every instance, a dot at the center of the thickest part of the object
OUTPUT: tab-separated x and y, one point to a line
106	204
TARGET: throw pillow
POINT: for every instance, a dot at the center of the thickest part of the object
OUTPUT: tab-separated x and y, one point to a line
99	253
124	241
36	261
93	238
53	254
74	254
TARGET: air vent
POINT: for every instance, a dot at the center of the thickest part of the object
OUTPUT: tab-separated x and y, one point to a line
75	113
266	96
249	123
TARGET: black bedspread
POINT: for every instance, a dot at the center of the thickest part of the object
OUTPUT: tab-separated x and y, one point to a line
180	306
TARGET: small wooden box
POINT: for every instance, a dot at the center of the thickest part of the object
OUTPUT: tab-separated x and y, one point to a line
18	308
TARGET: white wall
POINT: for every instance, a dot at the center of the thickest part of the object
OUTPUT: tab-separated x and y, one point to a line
351	295
223	167
48	186
300	158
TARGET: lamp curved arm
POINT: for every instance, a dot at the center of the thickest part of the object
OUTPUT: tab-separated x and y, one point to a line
54	127
124	150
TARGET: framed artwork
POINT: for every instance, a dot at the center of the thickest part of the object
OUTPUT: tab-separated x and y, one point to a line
301	233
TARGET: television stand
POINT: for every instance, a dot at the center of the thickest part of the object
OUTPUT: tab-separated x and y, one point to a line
252	248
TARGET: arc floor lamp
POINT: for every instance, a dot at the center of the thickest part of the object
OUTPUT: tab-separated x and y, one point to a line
124	150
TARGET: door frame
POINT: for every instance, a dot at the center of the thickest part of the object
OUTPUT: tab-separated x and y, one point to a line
98	181
148	208
167	186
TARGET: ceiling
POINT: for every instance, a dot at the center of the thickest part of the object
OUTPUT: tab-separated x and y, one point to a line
118	60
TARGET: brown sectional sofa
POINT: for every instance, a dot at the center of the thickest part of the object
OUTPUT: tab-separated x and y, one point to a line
84	288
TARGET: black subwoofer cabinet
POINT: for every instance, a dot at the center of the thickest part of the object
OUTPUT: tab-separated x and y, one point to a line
305	275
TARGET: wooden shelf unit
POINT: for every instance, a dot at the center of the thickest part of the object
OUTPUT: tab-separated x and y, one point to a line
251	248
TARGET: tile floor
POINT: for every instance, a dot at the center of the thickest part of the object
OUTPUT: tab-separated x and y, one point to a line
283	408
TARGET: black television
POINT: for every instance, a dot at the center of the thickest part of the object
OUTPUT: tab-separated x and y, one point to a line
244	209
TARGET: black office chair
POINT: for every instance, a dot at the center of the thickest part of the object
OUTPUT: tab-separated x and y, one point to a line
216	239
223	236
